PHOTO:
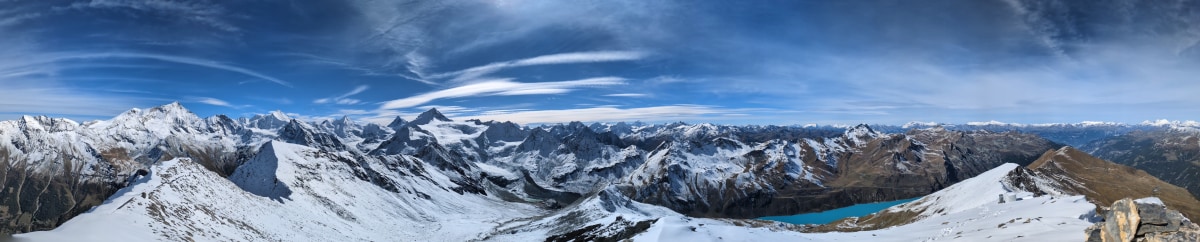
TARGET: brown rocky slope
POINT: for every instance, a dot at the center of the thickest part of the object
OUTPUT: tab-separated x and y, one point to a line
1063	171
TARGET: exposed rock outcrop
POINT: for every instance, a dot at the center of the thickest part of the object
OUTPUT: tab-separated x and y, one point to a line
1145	219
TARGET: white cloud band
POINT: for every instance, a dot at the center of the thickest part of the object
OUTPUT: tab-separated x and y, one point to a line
501	87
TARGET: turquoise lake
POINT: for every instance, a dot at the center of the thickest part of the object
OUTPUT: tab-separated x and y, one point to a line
825	217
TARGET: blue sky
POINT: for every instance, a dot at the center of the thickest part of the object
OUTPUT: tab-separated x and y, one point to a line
733	62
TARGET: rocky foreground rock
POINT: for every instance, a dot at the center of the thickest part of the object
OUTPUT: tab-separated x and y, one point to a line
1144	219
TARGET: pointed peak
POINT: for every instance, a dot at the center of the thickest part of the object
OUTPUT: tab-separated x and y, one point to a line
861	129
397	123
172	107
297	126
433	112
430	116
344	121
280	115
296	123
861	134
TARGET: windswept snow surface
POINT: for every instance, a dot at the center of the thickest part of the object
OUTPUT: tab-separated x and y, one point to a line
180	201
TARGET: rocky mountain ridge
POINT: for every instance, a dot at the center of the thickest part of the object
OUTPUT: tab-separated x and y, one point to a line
1171	154
695	169
1057	173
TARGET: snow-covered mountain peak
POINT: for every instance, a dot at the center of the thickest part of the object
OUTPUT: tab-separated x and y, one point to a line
344	121
860	134
43	123
397	123
172	111
992	122
270	121
297	132
279	115
917	124
160	121
430	116
861	129
30	123
1098	123
173	107
1172	123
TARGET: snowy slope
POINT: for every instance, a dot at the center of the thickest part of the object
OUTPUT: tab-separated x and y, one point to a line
970	211
965	216
317	198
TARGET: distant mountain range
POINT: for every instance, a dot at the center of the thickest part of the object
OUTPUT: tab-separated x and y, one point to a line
171	175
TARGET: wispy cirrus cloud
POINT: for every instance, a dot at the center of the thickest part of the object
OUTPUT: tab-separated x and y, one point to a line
199	12
213	101
626	95
216	102
501	87
602	114
14	16
554	59
344	99
173	59
36	89
18	98
48	63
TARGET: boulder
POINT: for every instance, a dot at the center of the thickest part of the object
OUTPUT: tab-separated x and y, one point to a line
1156	218
1121	221
1142	220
